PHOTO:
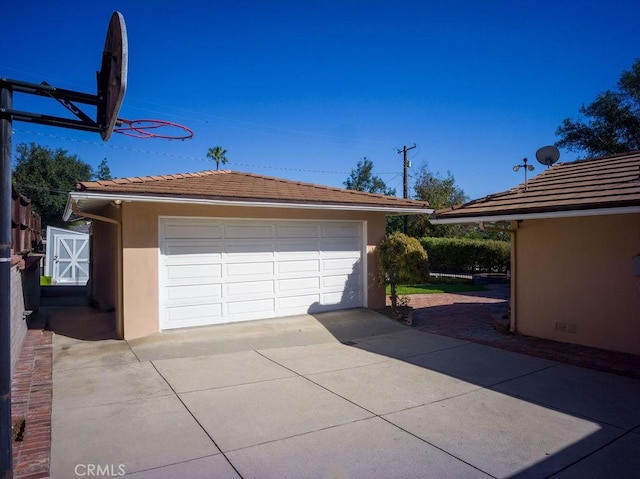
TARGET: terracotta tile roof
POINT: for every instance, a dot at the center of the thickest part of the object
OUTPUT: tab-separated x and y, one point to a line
244	187
606	182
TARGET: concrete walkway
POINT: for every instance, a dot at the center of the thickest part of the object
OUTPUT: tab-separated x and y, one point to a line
339	395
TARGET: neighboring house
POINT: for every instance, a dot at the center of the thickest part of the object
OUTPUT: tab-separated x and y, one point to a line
575	235
220	246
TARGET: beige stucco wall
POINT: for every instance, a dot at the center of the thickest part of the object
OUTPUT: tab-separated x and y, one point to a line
104	264
574	281
140	252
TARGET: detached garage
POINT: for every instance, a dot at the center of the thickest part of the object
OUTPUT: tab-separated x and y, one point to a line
220	246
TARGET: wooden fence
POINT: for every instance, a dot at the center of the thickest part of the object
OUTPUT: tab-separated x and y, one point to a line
26	233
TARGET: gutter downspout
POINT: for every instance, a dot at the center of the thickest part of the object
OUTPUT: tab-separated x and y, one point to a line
512	228
119	273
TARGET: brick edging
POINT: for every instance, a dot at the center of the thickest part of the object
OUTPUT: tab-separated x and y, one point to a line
31	397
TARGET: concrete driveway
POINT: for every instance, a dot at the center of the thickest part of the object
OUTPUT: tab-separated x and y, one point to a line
337	395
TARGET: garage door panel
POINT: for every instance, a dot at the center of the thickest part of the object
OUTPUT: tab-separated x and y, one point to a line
248	231
297	256
240	249
191	315
178	261
194	251
341	281
252	269
191	292
299	247
340	245
297	231
344	230
234	270
262	307
299	266
193	230
248	258
288	286
342	299
193	271
250	287
341	264
299	304
339	253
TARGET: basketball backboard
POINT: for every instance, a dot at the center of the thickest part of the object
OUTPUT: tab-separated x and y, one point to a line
112	77
112	85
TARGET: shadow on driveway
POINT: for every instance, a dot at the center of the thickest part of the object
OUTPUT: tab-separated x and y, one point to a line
481	317
286	397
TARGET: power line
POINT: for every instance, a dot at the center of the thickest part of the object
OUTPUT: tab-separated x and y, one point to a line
244	122
181	157
203	117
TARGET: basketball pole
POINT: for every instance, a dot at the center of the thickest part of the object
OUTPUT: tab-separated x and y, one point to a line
111	88
6	436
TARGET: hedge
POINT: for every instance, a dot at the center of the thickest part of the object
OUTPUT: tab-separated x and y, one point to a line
463	254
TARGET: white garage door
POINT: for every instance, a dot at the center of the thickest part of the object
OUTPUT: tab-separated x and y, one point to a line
222	270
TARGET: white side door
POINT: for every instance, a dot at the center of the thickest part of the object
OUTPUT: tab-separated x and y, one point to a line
71	260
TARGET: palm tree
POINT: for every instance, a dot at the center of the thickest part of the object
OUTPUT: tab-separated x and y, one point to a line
217	153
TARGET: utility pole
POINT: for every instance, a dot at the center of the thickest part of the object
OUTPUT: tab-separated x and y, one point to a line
405	184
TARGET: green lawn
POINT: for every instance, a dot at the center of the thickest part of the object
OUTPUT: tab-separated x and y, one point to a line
436	288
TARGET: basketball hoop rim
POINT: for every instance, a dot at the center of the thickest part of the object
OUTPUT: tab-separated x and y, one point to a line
141	129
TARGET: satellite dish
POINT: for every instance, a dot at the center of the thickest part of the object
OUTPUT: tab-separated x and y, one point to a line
547	155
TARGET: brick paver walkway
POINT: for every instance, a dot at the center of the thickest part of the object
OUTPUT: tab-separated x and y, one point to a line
471	316
31	396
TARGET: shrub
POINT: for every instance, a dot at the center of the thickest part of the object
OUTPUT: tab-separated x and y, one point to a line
402	259
463	254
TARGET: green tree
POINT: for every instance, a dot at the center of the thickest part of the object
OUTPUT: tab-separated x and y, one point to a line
401	259
363	179
46	176
440	193
104	172
218	154
610	124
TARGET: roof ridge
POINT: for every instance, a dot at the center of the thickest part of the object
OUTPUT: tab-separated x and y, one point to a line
608	157
324	187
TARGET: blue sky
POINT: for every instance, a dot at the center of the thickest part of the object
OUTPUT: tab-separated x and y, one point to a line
304	89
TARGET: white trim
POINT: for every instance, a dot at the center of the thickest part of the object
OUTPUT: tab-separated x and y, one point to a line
364	263
160	281
78	196
539	216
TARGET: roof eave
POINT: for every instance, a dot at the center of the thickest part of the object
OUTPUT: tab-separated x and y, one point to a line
79	196
538	215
